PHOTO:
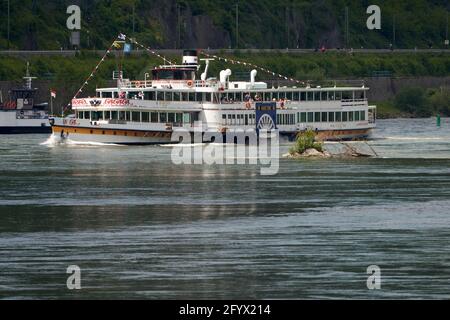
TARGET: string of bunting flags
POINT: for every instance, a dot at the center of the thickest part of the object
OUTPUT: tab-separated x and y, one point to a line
253	66
92	74
122	38
151	51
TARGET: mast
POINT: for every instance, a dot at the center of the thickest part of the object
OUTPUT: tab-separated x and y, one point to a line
28	79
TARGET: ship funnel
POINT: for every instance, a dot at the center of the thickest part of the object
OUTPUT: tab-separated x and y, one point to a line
190	57
253	77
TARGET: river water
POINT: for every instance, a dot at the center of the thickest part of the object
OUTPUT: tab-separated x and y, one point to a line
139	226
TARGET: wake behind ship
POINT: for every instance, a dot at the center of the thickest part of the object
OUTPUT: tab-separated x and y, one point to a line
148	111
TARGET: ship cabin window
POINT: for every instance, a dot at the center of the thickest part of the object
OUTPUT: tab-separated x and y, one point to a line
199	97
171	117
317	96
338	116
107	115
344	116
149	95
357	116
324	116
176	96
114	115
224	119
324	96
331	116
80	115
350	116
347	95
145	117
310	117
191	96
303	117
173	74
136	116
363	115
122	115
316	116
160	96
107	94
359	95
184	96
163	117
154	117
116	95
229	120
338	96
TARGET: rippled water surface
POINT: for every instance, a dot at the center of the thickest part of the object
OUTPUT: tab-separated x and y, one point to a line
139	226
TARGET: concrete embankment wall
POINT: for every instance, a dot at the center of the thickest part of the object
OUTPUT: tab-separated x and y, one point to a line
380	88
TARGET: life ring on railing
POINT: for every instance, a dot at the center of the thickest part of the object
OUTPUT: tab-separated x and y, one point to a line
190	83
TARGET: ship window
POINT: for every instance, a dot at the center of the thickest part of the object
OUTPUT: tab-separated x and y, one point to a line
296	96
357	115
107	94
346	95
145	117
186	118
128	114
107	115
163	117
114	115
171	118
350	116
149	95
168	96
324	96
116	95
331	116
324	116
338	116
122	115
80	115
359	95
302	96
289	96
224	119
363	115
199	97
136	116
191	96
310	117
184	96
179	118
303	117
316	116
87	115
344	116
331	96
310	96
317	96
154	117
176	96
338	96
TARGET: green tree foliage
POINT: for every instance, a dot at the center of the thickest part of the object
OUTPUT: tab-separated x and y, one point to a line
263	23
306	140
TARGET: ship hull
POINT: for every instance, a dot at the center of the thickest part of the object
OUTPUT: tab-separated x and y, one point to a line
139	137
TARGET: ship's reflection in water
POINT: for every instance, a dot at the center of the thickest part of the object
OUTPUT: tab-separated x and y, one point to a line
140	227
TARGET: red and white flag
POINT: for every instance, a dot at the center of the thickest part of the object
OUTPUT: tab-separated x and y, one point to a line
53	94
